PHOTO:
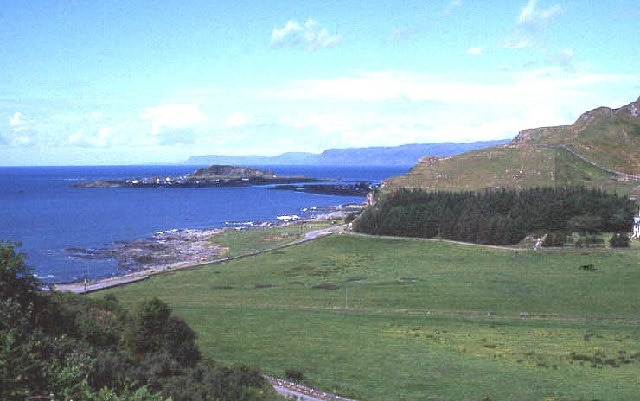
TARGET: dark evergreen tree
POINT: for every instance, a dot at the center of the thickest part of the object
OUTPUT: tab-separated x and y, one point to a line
496	217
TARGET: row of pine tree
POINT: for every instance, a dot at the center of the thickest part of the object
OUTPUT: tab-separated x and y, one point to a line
501	217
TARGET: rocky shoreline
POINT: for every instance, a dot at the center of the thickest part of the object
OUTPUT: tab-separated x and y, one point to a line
162	250
361	188
175	249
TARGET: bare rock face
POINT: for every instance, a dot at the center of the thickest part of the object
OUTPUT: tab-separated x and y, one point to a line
535	134
631	111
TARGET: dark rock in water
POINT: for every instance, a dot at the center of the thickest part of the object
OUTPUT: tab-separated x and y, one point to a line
345	189
162	250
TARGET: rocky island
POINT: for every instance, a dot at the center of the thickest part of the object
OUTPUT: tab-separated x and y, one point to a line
232	176
212	176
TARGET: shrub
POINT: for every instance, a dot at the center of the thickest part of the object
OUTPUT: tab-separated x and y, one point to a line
294	375
555	238
620	240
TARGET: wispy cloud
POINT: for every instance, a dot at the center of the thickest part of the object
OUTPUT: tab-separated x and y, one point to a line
531	15
14	121
19	132
309	35
102	138
394	107
382	86
402	34
367	108
453	5
173	116
475	51
530	24
564	58
237	119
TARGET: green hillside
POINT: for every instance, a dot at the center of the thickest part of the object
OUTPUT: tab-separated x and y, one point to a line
378	319
600	150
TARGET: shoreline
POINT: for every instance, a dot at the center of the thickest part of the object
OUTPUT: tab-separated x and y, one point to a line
196	260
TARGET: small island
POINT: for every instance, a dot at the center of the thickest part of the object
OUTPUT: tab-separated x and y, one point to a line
212	176
232	176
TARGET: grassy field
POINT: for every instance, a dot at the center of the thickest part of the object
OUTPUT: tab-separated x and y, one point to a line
247	241
398	319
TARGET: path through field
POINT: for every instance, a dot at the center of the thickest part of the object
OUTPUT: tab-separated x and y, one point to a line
297	392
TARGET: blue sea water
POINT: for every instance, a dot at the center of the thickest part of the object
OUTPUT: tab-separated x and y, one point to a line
40	208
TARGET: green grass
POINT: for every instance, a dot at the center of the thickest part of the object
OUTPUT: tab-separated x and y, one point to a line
524	166
420	320
247	241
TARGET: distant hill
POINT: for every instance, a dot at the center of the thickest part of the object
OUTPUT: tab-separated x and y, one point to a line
404	155
601	149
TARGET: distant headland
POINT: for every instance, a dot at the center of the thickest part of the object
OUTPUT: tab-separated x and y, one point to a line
403	155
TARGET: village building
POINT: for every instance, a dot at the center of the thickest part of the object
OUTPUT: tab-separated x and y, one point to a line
636	227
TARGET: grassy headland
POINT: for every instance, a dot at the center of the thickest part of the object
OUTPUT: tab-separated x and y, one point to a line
598	151
385	319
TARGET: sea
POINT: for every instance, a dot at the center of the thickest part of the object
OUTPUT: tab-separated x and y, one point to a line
41	209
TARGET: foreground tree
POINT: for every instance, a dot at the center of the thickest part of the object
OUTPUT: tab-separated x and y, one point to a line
67	346
17	283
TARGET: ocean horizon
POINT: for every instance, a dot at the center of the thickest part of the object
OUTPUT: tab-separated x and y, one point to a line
48	216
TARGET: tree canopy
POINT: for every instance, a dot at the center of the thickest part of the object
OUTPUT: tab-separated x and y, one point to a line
496	217
68	346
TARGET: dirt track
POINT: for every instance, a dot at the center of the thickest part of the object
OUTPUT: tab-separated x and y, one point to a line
299	392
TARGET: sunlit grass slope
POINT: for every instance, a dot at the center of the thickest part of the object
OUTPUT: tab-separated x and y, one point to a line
508	166
390	319
541	157
608	137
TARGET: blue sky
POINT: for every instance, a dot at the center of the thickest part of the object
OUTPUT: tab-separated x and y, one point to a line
126	82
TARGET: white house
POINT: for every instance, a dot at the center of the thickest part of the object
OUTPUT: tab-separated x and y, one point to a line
636	226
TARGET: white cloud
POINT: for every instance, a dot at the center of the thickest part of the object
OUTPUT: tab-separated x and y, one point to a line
366	108
395	107
370	88
453	5
102	138
173	116
21	140
15	119
531	23
531	15
237	119
564	58
291	28
309	36
475	51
